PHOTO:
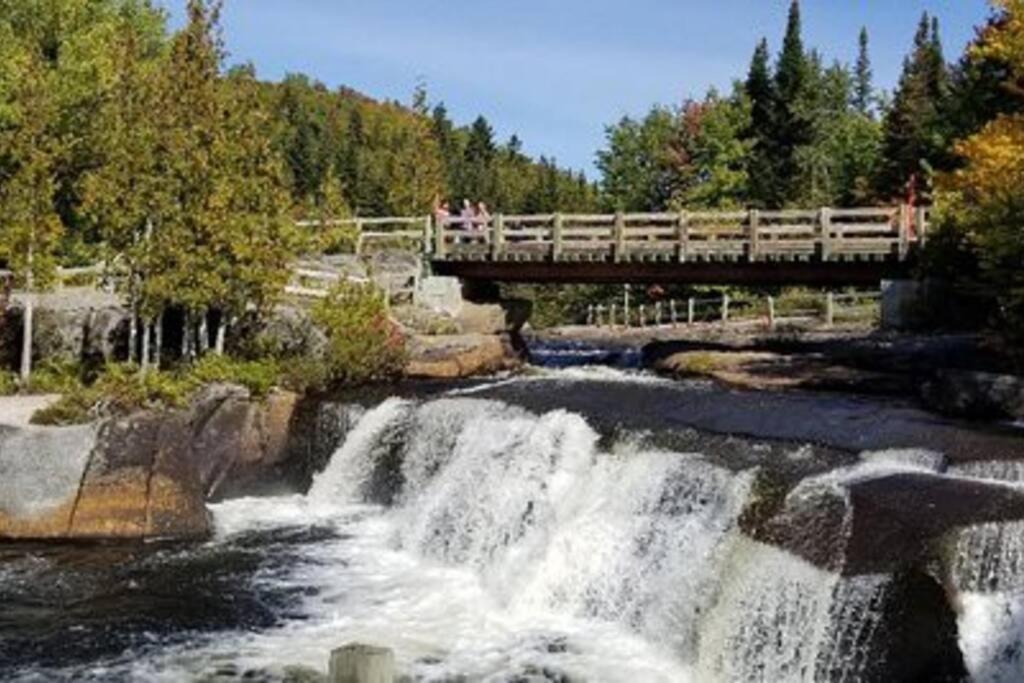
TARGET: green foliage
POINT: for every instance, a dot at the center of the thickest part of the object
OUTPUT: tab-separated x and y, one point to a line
259	376
363	343
55	377
8	383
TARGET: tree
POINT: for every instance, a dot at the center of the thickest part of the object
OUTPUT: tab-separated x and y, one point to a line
916	135
863	88
125	195
763	168
715	152
790	125
983	201
637	165
30	227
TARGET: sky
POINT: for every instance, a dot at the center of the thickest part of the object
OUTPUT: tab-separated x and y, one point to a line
557	72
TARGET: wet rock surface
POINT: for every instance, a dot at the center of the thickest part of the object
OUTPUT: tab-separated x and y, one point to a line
458	356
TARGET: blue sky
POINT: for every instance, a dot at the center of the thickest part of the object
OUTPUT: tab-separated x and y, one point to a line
557	71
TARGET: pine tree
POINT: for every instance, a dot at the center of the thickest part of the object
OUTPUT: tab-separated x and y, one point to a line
863	89
762	166
790	129
915	130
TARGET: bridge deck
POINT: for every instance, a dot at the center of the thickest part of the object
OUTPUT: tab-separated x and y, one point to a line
821	246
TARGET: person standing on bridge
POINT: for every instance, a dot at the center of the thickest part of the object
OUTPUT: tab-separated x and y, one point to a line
468	216
483	219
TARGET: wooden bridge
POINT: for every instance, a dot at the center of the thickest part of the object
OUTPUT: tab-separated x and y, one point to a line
818	247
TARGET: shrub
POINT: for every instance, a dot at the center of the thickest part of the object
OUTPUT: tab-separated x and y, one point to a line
55	377
8	383
362	342
258	376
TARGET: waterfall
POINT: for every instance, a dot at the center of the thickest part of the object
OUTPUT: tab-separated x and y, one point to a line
987	571
641	538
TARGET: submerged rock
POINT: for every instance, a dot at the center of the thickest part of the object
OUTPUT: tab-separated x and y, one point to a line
975	394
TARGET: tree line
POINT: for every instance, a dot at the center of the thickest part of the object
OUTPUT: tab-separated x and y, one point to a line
800	130
124	142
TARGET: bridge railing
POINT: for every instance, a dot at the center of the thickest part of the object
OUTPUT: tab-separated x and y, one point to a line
368	233
826	234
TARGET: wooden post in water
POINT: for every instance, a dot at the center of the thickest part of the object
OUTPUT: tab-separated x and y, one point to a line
725	308
771	313
362	664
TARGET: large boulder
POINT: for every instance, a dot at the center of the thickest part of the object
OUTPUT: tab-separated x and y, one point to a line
147	475
71	324
128	479
455	356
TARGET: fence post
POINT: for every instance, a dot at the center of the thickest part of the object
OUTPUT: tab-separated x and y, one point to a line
725	308
359	237
498	237
755	220
690	310
620	237
590	315
825	218
683	237
657	314
612	316
673	313
771	312
830	308
439	246
904	234
643	315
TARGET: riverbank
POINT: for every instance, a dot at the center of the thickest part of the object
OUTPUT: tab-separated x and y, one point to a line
960	375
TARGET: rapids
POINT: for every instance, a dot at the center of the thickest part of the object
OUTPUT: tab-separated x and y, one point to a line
485	540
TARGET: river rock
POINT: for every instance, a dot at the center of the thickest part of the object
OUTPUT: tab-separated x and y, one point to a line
455	356
859	522
975	394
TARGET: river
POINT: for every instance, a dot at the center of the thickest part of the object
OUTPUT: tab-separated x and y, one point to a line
571	524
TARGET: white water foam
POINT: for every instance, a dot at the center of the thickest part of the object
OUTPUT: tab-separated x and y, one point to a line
987	570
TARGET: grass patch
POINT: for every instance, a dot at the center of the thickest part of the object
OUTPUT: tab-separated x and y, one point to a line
697	364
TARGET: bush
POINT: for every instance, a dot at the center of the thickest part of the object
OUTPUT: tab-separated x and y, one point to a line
362	342
8	383
258	376
55	377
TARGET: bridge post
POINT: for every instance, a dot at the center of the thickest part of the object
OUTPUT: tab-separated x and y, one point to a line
359	237
498	237
439	243
620	237
556	238
428	245
825	219
683	237
754	221
904	234
922	226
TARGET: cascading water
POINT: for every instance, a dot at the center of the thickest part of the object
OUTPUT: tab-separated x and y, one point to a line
485	542
987	570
